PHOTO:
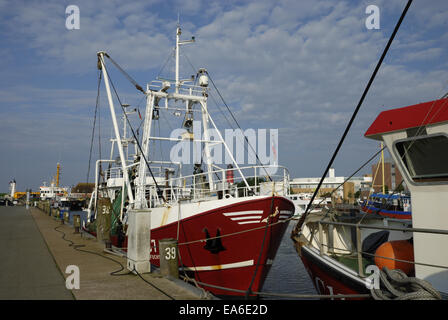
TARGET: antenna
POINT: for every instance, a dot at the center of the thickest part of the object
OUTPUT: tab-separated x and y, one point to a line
178	44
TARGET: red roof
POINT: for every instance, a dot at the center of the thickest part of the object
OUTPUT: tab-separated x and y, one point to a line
425	113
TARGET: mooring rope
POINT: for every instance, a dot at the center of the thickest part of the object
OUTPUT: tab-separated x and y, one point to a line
344	135
396	285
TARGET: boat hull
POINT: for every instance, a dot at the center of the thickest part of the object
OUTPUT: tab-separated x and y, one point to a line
388	213
241	259
330	279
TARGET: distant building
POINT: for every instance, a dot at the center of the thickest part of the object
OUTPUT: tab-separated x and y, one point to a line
392	176
82	189
346	191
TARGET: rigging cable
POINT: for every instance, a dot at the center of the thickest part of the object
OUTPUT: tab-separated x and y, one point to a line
386	49
234	119
133	133
419	131
357	170
211	95
228	122
137	86
94	123
166	62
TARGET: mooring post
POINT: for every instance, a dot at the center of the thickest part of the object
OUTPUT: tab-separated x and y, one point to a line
169	266
359	251
61	215
104	221
76	222
139	240
321	240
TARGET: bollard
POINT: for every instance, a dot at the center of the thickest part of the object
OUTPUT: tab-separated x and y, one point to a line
103	221
67	216
139	241
61	216
169	266
76	222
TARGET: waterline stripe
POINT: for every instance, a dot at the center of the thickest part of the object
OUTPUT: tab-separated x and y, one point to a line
222	266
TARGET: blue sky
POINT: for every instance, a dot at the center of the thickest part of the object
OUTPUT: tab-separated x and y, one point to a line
299	66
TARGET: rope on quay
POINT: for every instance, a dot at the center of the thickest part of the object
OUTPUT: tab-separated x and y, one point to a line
396	285
113	273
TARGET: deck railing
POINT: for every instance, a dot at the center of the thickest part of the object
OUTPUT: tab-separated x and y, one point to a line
226	183
359	252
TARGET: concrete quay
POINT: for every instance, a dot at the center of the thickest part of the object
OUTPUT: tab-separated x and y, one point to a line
39	249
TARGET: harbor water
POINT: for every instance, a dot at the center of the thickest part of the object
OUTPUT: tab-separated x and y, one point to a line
287	274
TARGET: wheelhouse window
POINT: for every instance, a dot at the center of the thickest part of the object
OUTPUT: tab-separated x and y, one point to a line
425	158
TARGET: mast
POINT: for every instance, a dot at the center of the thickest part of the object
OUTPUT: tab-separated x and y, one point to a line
207	145
141	188
153	98
116	130
58	168
382	167
178	33
178	44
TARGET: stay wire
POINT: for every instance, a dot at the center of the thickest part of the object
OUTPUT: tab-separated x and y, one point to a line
386	49
94	124
234	119
135	138
137	86
228	108
170	56
419	131
351	176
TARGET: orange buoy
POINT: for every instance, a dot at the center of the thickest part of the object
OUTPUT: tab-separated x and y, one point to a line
399	249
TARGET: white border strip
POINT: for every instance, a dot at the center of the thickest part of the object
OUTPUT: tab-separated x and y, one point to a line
240	213
240	264
246	218
250	221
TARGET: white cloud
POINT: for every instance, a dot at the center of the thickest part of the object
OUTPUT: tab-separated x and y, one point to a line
300	66
426	54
